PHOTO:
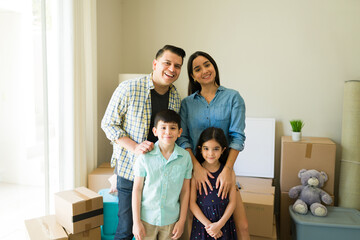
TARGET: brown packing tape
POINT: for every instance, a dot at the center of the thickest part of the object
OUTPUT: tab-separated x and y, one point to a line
86	234
88	201
87	226
308	150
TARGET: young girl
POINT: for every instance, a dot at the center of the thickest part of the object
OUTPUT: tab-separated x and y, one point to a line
212	215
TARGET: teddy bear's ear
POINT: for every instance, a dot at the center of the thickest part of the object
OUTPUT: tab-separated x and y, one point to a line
301	172
324	176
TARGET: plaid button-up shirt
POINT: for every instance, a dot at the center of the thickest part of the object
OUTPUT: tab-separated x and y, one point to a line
128	115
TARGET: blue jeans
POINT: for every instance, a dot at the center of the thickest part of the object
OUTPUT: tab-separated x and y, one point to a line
124	228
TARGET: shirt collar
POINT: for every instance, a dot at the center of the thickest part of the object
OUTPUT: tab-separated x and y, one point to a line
197	93
151	83
174	155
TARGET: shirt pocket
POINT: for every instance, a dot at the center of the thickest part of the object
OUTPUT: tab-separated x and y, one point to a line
222	112
177	173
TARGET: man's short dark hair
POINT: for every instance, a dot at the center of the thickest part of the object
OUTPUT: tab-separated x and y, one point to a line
178	51
168	116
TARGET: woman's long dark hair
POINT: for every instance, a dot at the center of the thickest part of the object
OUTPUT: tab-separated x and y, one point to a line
219	136
195	86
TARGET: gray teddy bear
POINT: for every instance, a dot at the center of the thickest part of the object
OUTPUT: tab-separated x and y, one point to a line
310	194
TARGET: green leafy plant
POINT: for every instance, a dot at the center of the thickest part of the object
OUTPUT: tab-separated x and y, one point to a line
296	125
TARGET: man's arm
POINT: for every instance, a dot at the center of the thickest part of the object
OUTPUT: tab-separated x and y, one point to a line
184	203
138	227
136	148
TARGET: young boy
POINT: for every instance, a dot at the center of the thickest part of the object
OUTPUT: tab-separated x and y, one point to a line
161	189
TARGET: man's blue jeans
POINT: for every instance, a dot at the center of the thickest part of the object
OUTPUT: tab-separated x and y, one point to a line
124	228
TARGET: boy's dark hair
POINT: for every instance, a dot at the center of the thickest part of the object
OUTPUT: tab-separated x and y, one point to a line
193	85
178	51
168	116
219	136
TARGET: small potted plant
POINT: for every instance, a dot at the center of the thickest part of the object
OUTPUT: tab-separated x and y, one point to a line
296	126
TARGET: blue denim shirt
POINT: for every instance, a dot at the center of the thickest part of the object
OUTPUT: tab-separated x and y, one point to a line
225	111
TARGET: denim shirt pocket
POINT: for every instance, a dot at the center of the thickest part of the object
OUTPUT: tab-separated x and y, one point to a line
222	113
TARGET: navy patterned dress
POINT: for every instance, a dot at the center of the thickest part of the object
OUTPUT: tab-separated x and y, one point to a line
213	208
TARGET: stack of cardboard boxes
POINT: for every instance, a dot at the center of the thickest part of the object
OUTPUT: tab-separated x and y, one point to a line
78	215
258	198
309	153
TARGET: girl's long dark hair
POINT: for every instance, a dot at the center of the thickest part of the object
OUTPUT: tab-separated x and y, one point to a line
219	136
195	86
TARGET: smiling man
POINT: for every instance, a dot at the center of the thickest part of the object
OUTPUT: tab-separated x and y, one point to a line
129	118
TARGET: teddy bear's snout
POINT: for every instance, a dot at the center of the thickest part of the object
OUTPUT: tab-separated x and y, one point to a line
313	181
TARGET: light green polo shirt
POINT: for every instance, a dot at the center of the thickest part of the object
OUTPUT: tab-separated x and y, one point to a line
160	202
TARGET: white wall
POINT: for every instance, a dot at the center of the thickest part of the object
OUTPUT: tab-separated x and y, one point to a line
109	44
288	59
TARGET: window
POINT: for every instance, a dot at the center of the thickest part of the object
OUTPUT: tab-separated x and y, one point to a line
36	113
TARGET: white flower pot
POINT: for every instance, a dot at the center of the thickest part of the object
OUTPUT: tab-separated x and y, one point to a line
296	136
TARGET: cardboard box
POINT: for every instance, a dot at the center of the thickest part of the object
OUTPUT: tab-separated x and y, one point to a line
309	153
273	237
92	234
45	228
285	220
98	179
79	210
258	201
245	182
105	165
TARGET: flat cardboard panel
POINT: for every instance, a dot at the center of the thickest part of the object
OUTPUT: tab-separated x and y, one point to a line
98	179
309	153
257	158
75	202
45	228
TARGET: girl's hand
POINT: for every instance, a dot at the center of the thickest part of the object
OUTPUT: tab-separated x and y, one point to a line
225	180
201	177
214	230
139	231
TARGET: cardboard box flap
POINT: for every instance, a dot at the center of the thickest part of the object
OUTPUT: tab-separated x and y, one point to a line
102	171
105	165
45	228
311	140
257	198
82	200
258	189
254	181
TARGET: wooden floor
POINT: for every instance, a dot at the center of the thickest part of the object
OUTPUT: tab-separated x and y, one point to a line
17	203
